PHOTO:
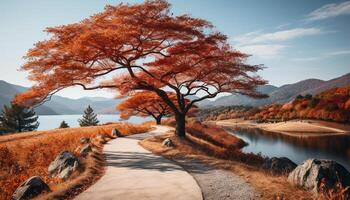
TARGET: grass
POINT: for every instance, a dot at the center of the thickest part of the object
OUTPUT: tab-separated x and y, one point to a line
215	141
214	135
24	155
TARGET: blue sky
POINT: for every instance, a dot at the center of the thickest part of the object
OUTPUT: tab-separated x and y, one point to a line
295	40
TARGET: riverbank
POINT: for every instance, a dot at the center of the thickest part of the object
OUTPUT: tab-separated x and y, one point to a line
297	128
221	178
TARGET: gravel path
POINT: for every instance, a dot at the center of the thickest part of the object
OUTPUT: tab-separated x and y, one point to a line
217	183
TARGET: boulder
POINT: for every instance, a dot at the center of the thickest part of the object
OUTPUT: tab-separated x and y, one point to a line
84	140
310	173
30	188
168	143
64	165
280	165
116	133
85	150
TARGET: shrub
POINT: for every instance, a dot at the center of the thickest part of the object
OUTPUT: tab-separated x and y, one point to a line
214	135
313	103
332	107
308	96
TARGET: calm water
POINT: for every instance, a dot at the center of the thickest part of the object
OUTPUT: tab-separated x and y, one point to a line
54	121
297	149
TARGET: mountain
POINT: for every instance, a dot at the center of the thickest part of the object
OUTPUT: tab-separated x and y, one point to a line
336	82
58	104
8	91
281	94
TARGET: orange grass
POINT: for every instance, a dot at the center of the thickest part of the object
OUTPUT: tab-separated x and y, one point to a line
217	142
24	155
214	135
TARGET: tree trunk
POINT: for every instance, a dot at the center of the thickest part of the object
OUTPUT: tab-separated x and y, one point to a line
180	125
159	120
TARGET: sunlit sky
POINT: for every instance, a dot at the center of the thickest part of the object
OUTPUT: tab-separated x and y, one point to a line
295	40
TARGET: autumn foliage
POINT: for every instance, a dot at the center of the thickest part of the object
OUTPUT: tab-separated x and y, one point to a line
144	104
30	153
330	105
155	51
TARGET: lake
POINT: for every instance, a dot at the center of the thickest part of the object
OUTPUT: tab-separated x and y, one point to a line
54	121
297	149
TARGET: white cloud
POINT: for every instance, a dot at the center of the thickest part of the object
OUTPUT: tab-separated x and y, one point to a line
336	53
329	10
282	26
323	56
306	59
258	37
265	51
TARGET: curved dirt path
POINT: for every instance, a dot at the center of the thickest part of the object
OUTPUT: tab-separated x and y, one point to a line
134	173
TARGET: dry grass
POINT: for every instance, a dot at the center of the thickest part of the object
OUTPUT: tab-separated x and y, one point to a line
214	135
24	155
271	187
217	142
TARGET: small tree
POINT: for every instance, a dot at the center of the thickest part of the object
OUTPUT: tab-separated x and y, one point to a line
299	96
18	119
89	118
314	102
144	104
63	125
308	96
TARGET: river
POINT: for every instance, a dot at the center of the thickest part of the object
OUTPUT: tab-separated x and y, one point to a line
54	121
297	149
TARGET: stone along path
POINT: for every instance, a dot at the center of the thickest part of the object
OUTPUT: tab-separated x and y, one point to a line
134	173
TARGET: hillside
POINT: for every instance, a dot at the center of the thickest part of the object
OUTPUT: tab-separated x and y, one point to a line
281	94
58	104
330	105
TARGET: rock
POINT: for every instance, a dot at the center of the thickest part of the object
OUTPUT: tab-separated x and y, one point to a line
64	165
280	165
309	174
84	140
116	133
85	150
30	188
168	143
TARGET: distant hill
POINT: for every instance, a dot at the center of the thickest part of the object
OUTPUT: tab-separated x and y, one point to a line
331	105
281	94
58	104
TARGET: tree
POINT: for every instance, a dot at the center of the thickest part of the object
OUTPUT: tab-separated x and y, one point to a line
63	125
308	96
313	102
299	96
157	51
89	118
145	104
18	119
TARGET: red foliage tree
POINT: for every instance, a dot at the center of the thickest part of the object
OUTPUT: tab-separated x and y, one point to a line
145	104
157	51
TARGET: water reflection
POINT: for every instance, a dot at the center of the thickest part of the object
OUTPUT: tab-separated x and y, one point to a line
297	149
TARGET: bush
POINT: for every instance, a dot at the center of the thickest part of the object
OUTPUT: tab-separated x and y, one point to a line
308	96
214	135
313	103
332	107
